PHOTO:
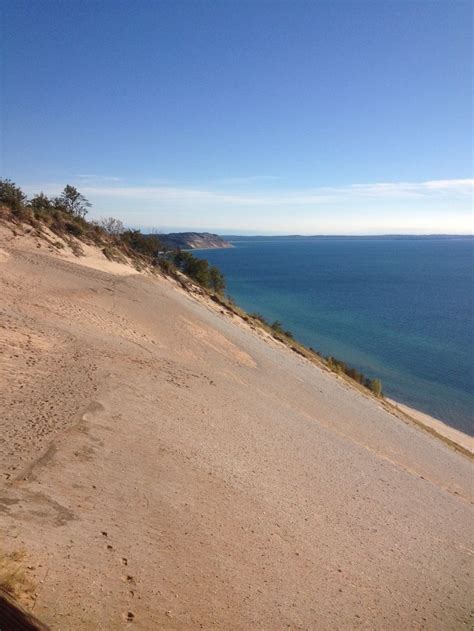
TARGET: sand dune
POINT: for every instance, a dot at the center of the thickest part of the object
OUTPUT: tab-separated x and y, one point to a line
164	468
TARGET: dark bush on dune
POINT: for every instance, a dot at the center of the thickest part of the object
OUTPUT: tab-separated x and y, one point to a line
338	366
200	271
11	195
146	244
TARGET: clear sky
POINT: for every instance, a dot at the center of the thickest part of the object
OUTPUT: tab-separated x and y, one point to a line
248	117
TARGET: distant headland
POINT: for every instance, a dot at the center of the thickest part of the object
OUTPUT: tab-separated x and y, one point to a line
193	240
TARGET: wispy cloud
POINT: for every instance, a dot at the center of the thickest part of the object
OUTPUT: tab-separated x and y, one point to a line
288	198
413	189
98	178
448	185
368	208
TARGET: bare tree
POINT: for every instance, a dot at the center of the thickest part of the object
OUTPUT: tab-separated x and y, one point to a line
111	226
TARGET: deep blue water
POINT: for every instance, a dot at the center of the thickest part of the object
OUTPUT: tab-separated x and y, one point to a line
397	309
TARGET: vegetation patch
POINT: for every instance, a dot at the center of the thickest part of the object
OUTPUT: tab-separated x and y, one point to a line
114	254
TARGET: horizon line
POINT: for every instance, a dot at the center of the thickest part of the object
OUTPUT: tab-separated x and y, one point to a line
317	235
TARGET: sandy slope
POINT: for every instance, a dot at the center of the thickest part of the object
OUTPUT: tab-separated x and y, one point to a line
165	468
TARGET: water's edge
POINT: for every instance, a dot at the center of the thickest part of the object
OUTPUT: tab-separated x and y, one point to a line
389	324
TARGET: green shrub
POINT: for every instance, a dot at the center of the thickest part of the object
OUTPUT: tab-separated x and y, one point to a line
74	228
11	195
216	280
259	317
40	202
277	327
113	254
165	265
196	269
72	202
146	244
23	214
375	386
338	366
43	215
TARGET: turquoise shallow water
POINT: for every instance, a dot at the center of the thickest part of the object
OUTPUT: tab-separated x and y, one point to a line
397	309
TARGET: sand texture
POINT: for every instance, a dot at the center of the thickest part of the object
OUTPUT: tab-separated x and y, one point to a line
163	466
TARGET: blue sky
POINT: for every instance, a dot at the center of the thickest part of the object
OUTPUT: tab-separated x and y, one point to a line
249	117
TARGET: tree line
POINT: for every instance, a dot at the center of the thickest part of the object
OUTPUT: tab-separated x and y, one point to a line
66	214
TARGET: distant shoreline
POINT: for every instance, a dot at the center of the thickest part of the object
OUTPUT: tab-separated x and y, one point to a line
368	237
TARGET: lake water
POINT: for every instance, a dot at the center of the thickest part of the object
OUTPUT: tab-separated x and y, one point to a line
400	310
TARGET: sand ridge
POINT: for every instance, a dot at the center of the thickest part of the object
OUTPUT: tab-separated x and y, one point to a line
164	468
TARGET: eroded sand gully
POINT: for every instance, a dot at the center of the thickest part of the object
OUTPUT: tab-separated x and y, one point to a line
165	468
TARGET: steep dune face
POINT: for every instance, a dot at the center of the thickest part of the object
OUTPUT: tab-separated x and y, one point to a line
164	467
